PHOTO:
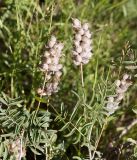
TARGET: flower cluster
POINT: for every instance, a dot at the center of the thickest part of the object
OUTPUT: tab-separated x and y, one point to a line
121	87
50	67
82	51
16	149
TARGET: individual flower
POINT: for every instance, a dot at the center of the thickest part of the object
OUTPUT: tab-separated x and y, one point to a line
112	105
51	67
82	51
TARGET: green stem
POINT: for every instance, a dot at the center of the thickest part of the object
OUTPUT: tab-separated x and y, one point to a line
98	140
40	96
89	138
81	72
46	149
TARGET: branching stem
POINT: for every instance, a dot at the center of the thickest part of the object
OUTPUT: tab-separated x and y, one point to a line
98	140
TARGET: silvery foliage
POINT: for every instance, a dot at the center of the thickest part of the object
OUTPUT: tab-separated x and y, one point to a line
21	129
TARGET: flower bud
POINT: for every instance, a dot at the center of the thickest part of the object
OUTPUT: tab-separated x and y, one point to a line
48	61
81	31
78	58
117	82
51	44
46	54
58	74
45	66
85	61
78	37
85	26
88	34
74	53
76	43
76	23
52	52
79	49
60	46
111	99
55	60
77	63
60	66
125	77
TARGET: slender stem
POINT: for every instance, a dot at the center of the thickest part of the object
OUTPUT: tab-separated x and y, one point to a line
83	89
21	146
51	17
81	72
98	140
40	97
34	156
20	154
128	128
46	152
89	138
12	84
42	92
46	149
